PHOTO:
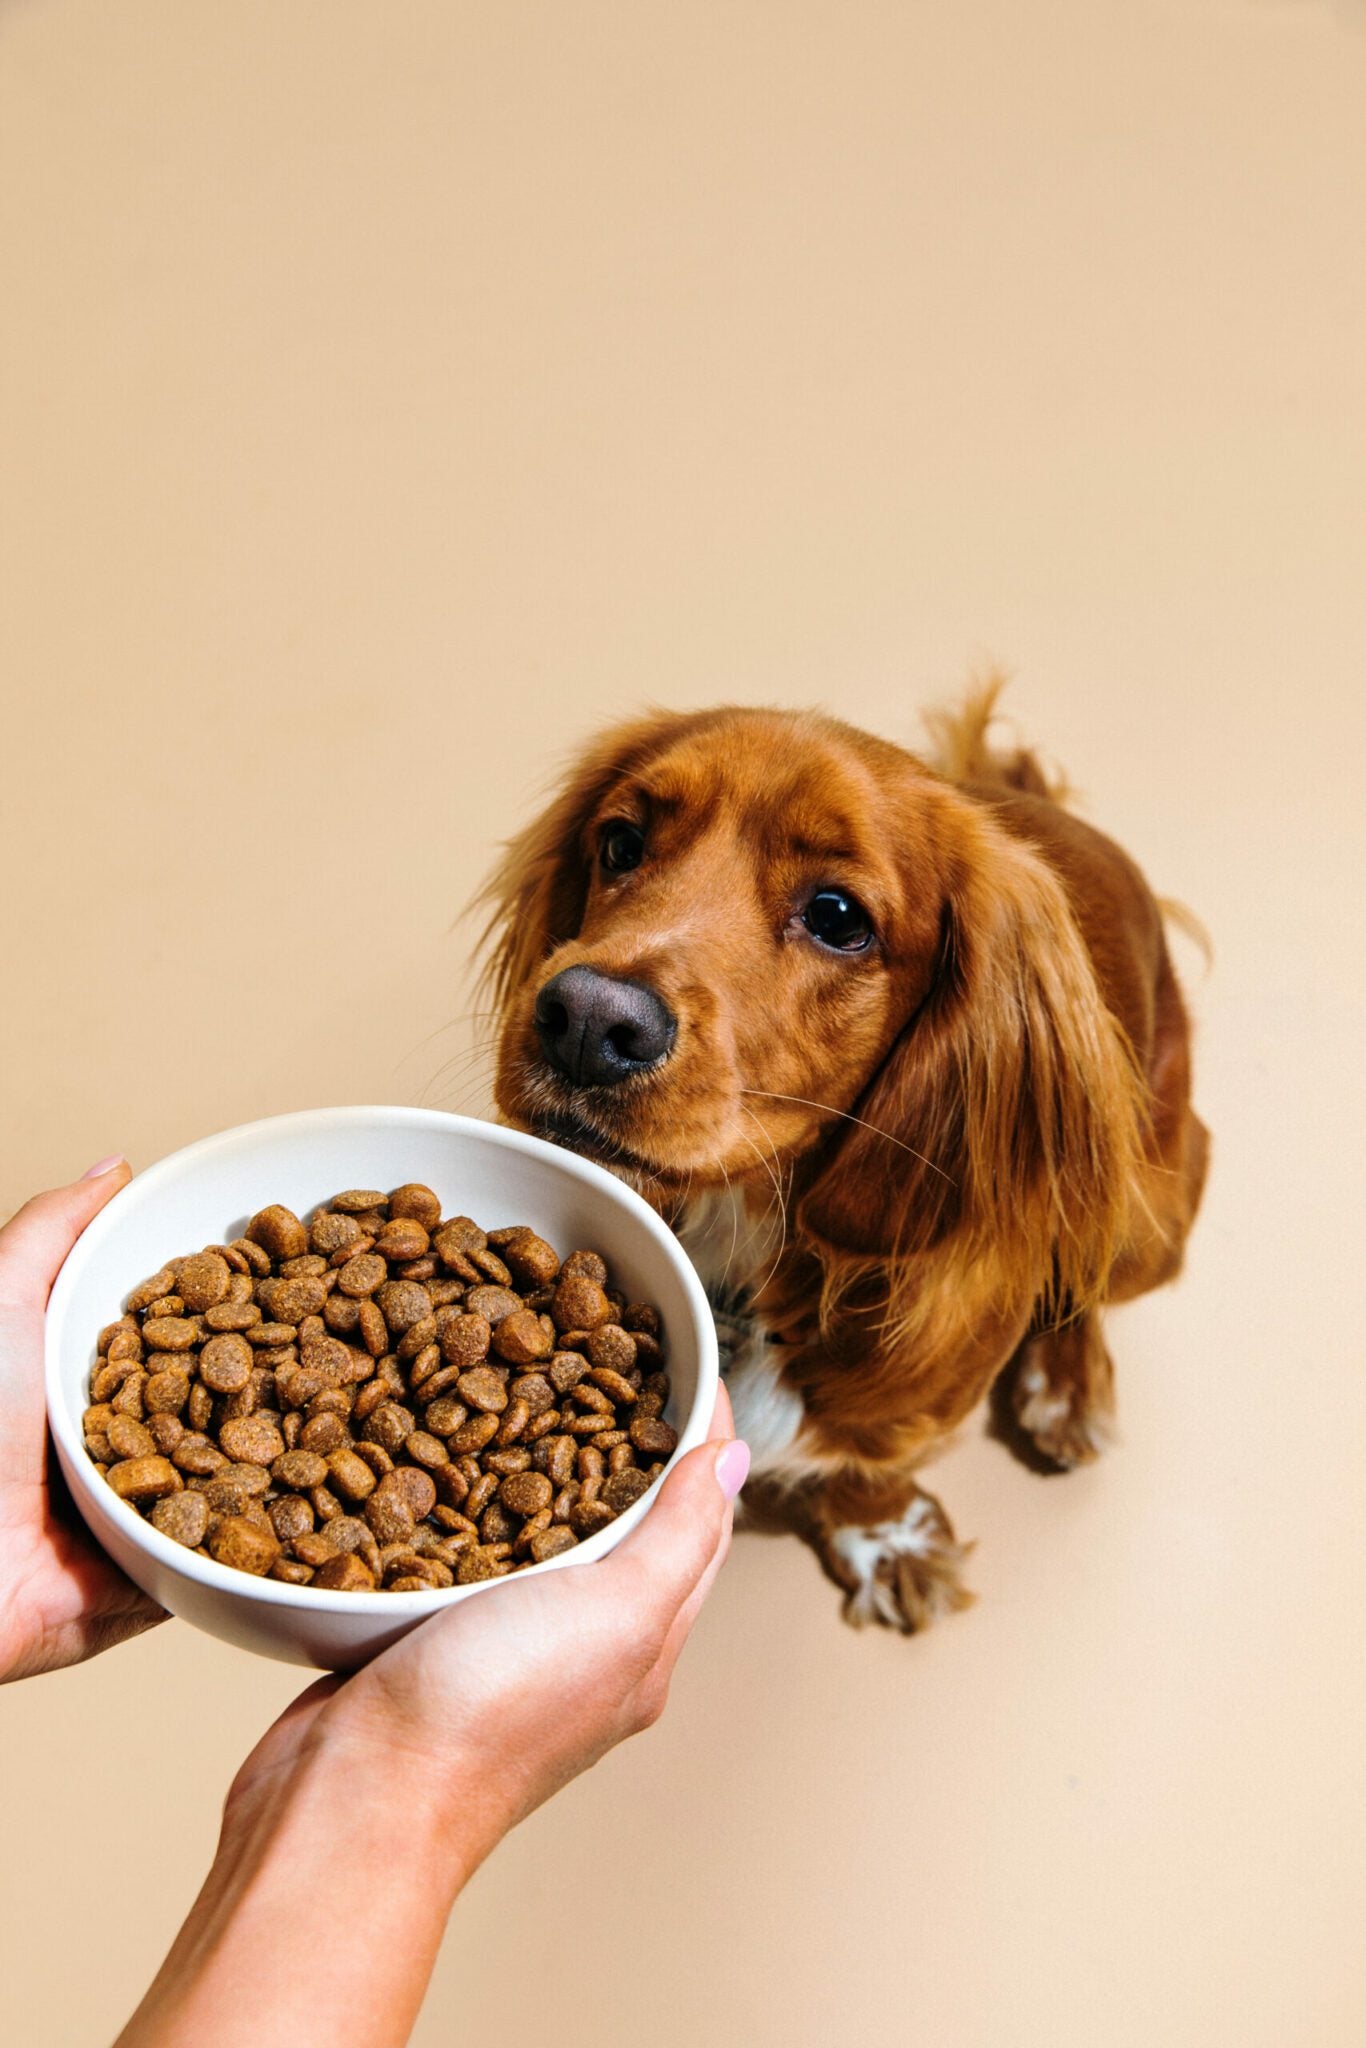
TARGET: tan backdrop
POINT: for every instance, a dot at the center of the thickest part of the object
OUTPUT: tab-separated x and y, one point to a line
392	394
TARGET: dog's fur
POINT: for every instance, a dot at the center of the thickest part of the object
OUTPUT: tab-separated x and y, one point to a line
905	1171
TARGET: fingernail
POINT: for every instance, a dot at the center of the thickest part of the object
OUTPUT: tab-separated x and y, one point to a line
103	1166
732	1467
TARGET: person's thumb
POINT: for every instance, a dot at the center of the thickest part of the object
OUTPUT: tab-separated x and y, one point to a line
38	1237
662	1562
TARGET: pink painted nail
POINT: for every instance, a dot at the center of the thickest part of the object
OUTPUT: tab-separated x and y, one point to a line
732	1467
103	1166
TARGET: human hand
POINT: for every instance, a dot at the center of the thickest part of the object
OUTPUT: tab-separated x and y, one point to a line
61	1598
416	1767
505	1697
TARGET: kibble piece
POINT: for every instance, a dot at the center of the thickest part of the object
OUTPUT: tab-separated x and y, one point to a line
403	1303
586	1517
165	1430
355	1201
202	1281
291	1517
425	1450
483	1388
493	1303
389	1425
461	1234
169	1333
623	1489
300	1469
641	1319
232	1315
655	1438
579	1303
278	1232
475	1563
225	1363
345	1573
289	1301
350	1476
184	1517
474	1434
551	1542
526	1493
530	1260
403	1238
290	1571
330	1232
361	1275
463	1338
253	1440
587	1265
129	1439
145	1478
196	1454
612	1348
520	1339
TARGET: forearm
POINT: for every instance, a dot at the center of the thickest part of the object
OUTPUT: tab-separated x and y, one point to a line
321	1916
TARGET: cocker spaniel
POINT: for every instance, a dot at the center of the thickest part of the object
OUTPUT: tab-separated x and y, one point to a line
899	1051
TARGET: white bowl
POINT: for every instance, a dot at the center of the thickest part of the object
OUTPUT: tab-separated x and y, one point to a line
205	1194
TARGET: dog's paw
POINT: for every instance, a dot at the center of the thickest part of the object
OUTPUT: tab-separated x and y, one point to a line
901	1574
1068	1419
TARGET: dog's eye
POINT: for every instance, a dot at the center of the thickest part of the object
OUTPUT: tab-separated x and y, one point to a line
622	846
838	920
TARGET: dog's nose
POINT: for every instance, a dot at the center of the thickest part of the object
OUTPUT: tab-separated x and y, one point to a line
595	1030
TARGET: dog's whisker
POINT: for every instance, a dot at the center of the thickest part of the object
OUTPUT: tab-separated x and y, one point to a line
771	1095
781	1199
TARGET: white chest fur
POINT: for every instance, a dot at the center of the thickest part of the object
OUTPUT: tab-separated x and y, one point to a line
731	1250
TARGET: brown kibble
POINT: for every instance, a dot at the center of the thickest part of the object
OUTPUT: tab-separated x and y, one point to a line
530	1260
551	1542
526	1493
330	1232
566	1369
402	1239
165	1430
144	1478
640	1317
290	1572
289	1301
425	1450
612	1349
291	1517
184	1517
278	1232
323	1434
355	1201
253	1440
389	1512
389	1425
493	1303
372	1329
613	1385
345	1573
586	1517
241	1542
484	1389
129	1439
623	1489
653	1437
232	1315
403	1303
349	1475
151	1290
415	1199
361	1275
458	1236
225	1363
579	1303
520	1339
473	1435
475	1563
169	1333
202	1281
585	1265
463	1338
197	1455
299	1470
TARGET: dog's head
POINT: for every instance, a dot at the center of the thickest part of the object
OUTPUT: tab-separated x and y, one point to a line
741	942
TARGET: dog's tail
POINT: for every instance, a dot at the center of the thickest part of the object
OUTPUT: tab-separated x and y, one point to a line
960	750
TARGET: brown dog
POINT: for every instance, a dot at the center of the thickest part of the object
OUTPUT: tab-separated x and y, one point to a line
901	1055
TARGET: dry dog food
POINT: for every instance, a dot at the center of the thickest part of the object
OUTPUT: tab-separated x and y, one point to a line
380	1399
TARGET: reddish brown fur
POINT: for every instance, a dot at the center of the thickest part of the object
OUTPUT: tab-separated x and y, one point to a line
1013	1055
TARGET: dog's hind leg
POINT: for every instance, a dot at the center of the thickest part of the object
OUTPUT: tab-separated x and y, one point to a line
1062	1391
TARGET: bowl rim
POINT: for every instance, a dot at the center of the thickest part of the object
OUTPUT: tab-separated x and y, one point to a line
219	1578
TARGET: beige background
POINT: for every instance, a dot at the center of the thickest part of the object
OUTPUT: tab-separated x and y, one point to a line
392	394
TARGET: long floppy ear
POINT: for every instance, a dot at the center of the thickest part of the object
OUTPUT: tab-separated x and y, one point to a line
534	898
1012	1106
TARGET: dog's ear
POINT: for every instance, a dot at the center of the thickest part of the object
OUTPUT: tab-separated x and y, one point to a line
1011	1103
533	901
